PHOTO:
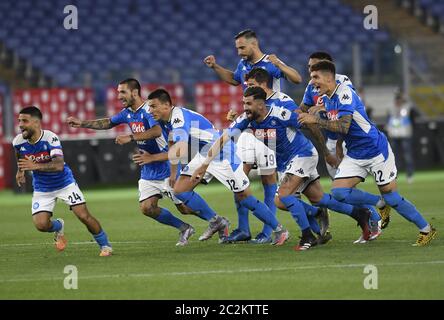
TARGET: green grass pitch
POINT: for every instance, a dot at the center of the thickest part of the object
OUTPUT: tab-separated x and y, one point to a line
148	265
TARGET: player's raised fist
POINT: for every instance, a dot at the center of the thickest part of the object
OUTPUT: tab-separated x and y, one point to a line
73	122
210	61
274	59
231	115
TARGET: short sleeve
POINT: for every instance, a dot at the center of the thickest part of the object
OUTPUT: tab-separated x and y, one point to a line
55	146
180	128
308	97
238	73
117	118
274	71
347	104
288	118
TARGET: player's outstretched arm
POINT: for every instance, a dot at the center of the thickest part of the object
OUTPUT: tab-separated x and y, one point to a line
225	74
98	124
291	74
151	133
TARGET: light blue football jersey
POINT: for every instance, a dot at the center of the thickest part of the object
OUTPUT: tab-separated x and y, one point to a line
47	147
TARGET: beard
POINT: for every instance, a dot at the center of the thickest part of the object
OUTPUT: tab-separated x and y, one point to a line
27	133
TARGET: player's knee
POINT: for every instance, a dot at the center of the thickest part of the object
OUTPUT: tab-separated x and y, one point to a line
314	198
148	209
340	194
278	203
42	226
183	209
392	198
239	196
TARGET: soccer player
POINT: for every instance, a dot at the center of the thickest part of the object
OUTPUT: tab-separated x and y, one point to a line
252	56
368	150
188	127
40	152
295	153
311	103
153	183
247	46
260	77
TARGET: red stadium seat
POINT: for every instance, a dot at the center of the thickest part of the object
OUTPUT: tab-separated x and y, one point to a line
214	99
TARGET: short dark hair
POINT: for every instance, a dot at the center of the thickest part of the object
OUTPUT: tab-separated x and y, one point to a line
32	111
161	94
132	85
324	66
257	92
248	34
259	74
321	55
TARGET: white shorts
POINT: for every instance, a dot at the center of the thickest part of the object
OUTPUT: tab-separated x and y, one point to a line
45	201
254	151
161	188
235	180
304	167
384	171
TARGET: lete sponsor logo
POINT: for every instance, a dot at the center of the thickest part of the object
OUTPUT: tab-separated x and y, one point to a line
39	157
137	127
265	133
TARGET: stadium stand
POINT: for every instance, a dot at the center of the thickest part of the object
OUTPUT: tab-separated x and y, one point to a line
56	104
2	152
138	36
214	99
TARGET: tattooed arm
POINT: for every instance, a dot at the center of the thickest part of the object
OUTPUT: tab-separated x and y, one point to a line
341	125
56	164
98	124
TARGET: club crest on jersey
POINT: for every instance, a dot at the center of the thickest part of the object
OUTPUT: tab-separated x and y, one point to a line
39	157
137	127
36	205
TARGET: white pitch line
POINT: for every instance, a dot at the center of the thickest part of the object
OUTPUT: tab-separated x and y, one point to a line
227	271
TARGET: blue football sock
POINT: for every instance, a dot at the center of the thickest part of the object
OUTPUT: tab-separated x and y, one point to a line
56	225
309	209
102	239
296	208
329	202
260	210
355	196
374	215
269	194
197	204
242	217
405	209
166	217
314	226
